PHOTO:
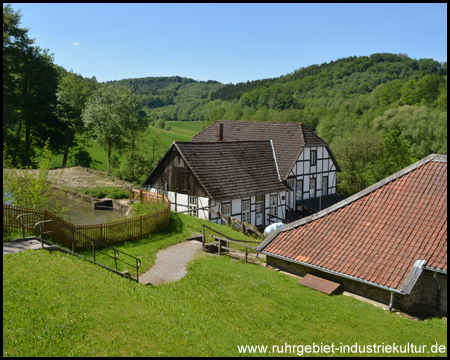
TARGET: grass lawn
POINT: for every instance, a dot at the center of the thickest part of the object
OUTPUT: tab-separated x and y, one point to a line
58	305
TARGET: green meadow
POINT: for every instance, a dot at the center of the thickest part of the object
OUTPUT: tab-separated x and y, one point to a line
180	131
55	304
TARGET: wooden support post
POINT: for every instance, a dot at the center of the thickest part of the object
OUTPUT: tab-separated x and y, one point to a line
73	240
203	237
246	254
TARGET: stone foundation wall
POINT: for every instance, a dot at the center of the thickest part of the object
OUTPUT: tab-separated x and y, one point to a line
422	297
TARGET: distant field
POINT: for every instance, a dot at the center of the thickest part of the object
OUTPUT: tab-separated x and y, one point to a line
190	128
180	131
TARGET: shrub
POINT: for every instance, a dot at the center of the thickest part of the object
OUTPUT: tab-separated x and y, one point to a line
112	192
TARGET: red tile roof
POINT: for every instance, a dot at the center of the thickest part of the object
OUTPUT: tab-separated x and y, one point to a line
378	234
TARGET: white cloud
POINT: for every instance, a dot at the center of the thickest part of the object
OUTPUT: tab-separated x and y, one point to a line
75	43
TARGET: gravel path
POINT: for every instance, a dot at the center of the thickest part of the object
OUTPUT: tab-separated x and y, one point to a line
170	264
15	247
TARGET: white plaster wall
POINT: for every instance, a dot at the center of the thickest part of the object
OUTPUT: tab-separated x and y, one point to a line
236	207
202	202
182	202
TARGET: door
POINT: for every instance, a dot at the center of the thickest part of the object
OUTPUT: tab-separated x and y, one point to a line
246	211
290	194
259	210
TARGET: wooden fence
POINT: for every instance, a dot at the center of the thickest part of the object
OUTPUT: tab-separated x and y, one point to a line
109	233
146	197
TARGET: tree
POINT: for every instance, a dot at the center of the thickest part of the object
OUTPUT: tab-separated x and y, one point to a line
15	44
71	96
109	113
26	189
356	153
29	86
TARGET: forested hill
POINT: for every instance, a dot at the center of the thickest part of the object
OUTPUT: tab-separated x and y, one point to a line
379	113
178	94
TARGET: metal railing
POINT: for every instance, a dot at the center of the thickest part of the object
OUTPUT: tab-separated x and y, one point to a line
93	242
224	243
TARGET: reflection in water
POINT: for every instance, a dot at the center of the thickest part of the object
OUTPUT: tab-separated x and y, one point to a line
81	213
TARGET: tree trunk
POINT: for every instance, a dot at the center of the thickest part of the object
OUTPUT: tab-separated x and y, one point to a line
109	158
66	146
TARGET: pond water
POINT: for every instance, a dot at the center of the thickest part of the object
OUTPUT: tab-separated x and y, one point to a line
81	213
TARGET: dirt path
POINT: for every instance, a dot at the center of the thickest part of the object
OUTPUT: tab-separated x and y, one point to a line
170	264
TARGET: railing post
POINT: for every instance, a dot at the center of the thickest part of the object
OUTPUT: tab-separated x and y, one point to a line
246	254
137	270
42	235
115	257
203	237
23	228
73	240
93	248
219	246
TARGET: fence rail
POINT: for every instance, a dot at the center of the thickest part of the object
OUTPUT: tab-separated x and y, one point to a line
109	233
224	242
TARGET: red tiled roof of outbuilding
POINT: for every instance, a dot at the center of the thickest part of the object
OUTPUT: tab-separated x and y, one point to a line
376	235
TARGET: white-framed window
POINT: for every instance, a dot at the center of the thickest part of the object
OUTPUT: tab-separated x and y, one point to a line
259	208
312	187
246	211
226	209
324	185
299	189
273	205
313	157
193	203
290	198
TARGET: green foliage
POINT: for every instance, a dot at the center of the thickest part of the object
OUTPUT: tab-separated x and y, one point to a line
140	209
111	113
28	189
72	95
111	192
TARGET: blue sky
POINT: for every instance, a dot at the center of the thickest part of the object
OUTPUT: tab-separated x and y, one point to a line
229	43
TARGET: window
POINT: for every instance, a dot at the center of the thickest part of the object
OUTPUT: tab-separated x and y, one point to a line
273	205
226	209
299	189
324	185
193	205
313	157
291	184
312	187
259	209
246	211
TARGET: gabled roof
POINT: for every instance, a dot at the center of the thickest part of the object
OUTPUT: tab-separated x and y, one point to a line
288	139
384	235
230	170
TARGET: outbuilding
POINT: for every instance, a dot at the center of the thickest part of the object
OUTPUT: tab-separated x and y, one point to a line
387	243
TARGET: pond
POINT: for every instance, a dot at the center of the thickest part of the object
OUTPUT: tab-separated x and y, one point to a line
81	213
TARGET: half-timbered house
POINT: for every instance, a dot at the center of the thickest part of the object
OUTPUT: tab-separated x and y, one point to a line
236	178
304	161
258	173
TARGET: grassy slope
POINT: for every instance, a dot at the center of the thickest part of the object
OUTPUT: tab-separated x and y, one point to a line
181	131
55	304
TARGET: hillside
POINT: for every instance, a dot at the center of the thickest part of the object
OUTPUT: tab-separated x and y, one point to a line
178	96
379	113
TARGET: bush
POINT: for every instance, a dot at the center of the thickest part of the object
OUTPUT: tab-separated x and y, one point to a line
111	192
147	208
